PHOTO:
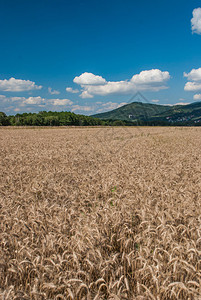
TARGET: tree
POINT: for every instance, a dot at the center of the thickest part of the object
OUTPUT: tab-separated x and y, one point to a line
51	121
4	121
118	123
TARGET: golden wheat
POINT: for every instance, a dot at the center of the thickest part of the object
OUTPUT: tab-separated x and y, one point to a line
100	213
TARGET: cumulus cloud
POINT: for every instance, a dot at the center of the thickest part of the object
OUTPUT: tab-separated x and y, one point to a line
197	97
151	77
196	21
82	108
155	100
85	94
17	98
34	100
39	101
120	87
60	102
194	75
194	83
89	79
53	92
192	86
18	85
70	90
30	100
152	80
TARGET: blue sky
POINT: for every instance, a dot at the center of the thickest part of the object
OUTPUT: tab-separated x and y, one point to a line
102	52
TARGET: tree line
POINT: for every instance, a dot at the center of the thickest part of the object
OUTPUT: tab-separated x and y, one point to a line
50	118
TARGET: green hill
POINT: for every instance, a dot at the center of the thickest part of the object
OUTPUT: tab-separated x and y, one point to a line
133	111
138	111
190	113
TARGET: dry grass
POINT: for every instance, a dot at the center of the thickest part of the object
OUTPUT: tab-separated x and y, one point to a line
110	213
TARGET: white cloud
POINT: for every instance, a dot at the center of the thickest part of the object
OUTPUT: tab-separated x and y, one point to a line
182	103
70	90
153	80
85	94
22	101
82	108
34	100
30	100
155	100
18	85
17	98
60	102
195	80
89	79
197	97
110	88
194	75
53	92
154	76
192	86
196	21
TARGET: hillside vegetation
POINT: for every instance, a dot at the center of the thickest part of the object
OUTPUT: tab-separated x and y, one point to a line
136	111
152	113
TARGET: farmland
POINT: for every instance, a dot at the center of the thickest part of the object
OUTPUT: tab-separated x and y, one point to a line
100	213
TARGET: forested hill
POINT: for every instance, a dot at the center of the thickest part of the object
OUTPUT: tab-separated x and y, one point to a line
156	114
133	111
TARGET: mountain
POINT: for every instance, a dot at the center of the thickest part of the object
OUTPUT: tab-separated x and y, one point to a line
133	111
139	111
190	113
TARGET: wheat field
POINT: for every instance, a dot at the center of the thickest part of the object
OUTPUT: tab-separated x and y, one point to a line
100	213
